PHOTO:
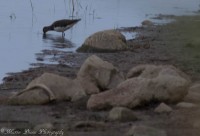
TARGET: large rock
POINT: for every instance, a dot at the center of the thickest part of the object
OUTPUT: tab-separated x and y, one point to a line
49	87
145	131
104	41
96	74
145	83
121	114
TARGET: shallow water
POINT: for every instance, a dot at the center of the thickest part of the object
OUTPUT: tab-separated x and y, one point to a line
22	22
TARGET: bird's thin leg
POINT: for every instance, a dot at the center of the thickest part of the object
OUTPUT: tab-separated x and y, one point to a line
63	34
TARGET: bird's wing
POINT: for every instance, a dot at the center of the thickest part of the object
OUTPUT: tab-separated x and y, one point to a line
64	23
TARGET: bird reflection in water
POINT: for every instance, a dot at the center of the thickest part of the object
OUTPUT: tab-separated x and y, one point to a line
57	41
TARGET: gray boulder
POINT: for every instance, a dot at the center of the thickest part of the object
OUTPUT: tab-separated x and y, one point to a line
104	41
46	88
146	83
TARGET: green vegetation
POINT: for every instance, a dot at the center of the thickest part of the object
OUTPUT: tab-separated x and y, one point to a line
183	40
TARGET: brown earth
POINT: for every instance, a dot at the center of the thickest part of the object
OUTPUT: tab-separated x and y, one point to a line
154	45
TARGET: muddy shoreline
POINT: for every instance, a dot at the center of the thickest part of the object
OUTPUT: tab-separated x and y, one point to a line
66	115
69	63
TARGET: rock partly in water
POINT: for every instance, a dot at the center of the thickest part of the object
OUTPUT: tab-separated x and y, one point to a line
96	75
147	23
145	131
163	108
46	88
145	83
121	114
104	41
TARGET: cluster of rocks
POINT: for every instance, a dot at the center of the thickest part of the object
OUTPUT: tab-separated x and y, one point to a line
107	87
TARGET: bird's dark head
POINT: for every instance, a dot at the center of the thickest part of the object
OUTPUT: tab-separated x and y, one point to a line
45	29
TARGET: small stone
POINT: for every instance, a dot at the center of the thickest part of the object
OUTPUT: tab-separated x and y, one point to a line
197	124
3	99
193	95
147	23
145	131
122	114
89	124
186	105
47	126
163	108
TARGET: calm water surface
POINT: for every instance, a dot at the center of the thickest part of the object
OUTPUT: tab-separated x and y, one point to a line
22	22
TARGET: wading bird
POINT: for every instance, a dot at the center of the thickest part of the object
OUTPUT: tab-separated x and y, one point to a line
60	26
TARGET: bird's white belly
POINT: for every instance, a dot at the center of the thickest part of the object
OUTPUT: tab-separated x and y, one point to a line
62	29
